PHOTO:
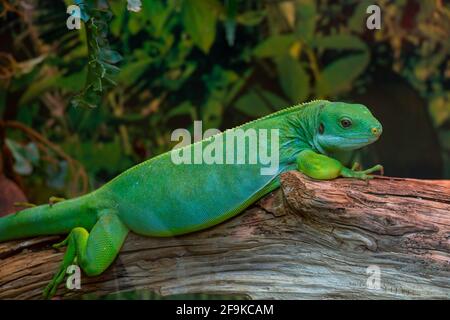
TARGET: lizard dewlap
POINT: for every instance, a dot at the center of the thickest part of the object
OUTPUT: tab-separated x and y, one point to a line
162	198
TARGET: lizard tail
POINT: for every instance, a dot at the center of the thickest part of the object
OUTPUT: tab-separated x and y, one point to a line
59	218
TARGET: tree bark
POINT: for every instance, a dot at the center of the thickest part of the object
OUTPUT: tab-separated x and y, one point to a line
308	240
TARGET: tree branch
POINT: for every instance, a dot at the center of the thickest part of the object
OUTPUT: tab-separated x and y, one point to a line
310	239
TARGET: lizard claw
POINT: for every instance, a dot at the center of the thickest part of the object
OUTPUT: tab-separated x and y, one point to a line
356	166
378	167
61	244
24	204
52	200
51	288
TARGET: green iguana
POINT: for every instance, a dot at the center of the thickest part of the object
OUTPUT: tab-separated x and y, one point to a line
159	198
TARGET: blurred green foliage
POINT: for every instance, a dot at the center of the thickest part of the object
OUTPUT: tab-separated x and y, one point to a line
134	77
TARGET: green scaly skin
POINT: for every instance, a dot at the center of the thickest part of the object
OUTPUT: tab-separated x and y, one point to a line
159	198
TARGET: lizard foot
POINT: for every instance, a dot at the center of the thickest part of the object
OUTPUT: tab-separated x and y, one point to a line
378	167
363	175
356	166
52	200
68	259
24	204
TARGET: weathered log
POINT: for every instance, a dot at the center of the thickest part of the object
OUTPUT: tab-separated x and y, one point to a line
310	239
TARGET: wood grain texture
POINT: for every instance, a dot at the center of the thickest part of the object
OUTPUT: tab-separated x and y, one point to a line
308	240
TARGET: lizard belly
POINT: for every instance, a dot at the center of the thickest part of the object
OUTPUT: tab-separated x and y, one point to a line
165	199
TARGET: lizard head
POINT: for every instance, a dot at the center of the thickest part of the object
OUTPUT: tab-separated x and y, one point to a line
344	126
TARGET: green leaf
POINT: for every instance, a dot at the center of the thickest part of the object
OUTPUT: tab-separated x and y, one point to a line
100	70
230	21
274	101
88	97
338	41
251	18
93	155
274	46
118	10
212	114
24	156
306	19
199	20
358	19
84	10
252	105
237	85
440	110
339	75
294	79
185	108
133	70
135	24
158	13
109	55
37	88
73	82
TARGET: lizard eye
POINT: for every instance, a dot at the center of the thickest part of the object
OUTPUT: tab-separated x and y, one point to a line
346	122
321	128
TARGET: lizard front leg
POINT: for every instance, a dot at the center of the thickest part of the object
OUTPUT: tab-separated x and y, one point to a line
319	166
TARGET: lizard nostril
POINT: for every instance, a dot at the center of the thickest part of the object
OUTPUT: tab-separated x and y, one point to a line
375	131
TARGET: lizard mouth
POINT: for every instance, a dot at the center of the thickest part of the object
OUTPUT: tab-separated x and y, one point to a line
345	142
361	138
359	141
367	139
